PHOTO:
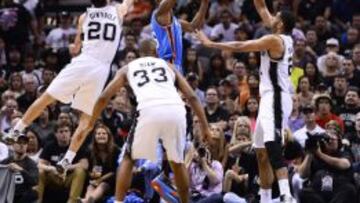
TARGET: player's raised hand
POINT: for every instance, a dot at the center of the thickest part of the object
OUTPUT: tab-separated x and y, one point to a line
206	134
203	38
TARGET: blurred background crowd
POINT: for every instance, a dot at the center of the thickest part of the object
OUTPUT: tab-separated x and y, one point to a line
322	145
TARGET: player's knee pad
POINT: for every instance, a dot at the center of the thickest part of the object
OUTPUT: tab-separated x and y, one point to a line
274	152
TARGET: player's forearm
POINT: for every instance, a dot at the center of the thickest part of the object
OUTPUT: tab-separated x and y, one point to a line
227	46
165	7
263	11
199	18
199	111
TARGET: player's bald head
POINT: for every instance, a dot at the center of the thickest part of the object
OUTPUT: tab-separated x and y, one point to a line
148	47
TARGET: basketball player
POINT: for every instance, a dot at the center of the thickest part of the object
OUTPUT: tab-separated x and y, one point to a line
167	30
161	115
82	81
275	91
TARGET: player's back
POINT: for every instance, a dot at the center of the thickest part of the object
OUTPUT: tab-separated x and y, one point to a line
274	74
101	33
169	39
153	82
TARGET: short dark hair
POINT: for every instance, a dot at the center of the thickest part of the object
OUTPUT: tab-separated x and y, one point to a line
99	3
288	19
63	124
353	89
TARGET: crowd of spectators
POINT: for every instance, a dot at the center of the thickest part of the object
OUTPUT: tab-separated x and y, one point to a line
322	144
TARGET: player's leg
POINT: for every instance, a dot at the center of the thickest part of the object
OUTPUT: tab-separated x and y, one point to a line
274	122
181	180
123	178
34	111
173	136
86	124
266	173
84	100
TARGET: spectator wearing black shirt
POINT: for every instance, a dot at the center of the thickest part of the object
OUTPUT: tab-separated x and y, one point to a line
113	118
350	109
14	62
214	112
339	91
323	29
25	171
102	166
74	179
356	56
352	75
329	171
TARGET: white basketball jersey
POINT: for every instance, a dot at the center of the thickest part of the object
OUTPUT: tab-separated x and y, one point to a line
275	74
101	33
153	82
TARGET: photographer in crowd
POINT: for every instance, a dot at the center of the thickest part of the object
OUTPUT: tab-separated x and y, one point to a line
327	168
206	175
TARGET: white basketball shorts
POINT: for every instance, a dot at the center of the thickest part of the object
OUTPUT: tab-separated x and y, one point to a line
80	83
272	119
164	122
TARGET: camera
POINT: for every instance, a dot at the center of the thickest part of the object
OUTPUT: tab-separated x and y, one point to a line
314	140
201	151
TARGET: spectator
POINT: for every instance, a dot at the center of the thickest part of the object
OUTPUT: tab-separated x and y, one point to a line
16	84
6	113
312	72
113	118
217	143
356	56
240	166
30	85
104	155
351	107
324	105
214	112
193	80
24	170
46	77
354	142
296	120
309	9
192	64
34	148
304	91
251	111
301	54
323	29
60	37
29	67
313	44
44	126
49	177
218	7
225	30
216	71
14	61
311	127
339	90
352	74
331	68
239	70
206	175
349	39
329	171
229	130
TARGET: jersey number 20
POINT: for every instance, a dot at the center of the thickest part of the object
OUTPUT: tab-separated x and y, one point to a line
108	31
144	78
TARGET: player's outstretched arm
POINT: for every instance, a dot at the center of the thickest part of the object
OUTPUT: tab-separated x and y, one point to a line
110	90
75	48
124	7
194	103
198	20
264	12
163	11
268	42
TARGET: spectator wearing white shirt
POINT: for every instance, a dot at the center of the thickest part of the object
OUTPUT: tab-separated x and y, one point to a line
225	30
310	126
62	36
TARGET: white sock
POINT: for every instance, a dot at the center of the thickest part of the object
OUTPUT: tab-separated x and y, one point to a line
284	187
265	195
20	126
70	155
118	201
